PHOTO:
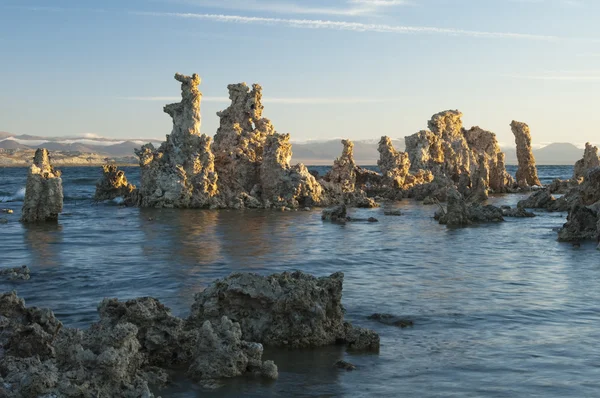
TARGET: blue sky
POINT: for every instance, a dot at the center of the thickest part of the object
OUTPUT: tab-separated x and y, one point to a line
340	68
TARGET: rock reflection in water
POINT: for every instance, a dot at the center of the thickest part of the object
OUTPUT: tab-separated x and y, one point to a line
44	242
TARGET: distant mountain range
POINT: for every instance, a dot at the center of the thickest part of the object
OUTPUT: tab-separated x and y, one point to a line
365	153
309	153
98	145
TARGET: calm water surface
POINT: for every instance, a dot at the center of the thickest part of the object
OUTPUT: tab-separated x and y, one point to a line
500	310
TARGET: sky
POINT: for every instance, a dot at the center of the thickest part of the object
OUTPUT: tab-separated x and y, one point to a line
356	69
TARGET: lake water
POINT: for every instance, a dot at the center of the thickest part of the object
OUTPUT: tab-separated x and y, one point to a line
499	310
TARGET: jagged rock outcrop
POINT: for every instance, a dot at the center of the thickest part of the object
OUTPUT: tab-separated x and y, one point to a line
113	184
122	355
589	161
181	172
393	165
459	213
343	171
471	159
527	172
290	309
559	186
221	352
583	223
282	185
541	199
239	145
43	192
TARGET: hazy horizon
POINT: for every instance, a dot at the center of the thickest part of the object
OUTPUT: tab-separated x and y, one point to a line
357	69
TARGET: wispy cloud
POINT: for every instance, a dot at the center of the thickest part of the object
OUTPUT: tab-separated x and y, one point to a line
347	8
572	76
348	26
283	100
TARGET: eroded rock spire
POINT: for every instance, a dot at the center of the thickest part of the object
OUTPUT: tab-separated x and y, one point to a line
527	172
43	192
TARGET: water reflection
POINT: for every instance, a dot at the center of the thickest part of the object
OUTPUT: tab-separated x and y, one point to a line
44	241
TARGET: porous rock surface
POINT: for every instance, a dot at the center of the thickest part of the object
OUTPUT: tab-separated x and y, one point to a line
16	273
470	159
527	172
113	184
247	165
583	204
589	161
43	192
122	355
181	172
289	309
460	213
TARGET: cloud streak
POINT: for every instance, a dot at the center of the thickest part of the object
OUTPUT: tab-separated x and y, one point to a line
350	8
347	26
567	76
282	100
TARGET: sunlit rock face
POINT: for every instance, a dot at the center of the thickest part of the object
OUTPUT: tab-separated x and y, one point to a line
43	192
527	172
283	185
470	159
590	160
181	172
113	184
343	171
239	146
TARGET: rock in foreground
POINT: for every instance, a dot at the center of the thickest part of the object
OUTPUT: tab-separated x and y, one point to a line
291	309
43	192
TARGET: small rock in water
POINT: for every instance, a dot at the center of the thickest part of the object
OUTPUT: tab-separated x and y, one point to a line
392	212
345	365
12	274
307	209
389	319
7	211
3	221
372	219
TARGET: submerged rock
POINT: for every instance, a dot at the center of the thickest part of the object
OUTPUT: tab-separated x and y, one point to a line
344	365
291	309
392	320
113	184
517	212
527	172
43	192
22	273
336	214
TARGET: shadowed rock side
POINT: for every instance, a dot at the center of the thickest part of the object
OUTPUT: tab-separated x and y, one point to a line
459	213
43	192
289	309
527	172
113	184
181	172
129	350
589	161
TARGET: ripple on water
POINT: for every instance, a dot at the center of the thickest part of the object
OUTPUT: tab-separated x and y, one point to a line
498	310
